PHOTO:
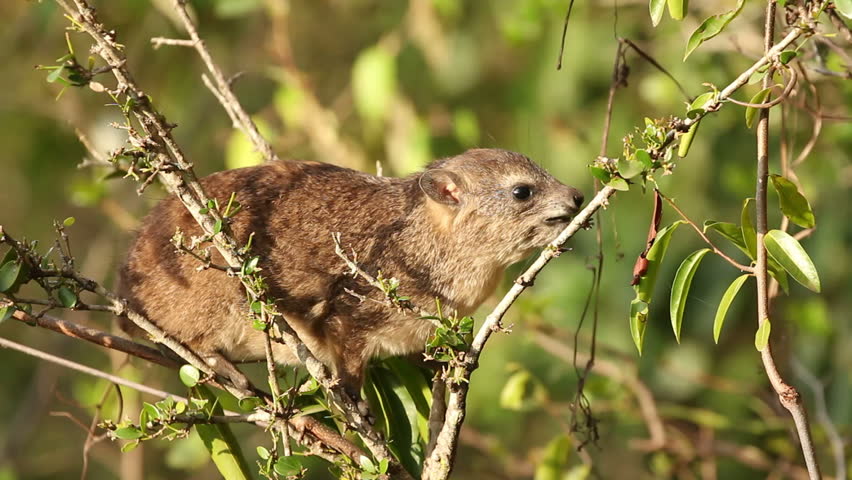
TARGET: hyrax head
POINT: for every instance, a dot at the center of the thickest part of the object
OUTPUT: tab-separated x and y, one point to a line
501	201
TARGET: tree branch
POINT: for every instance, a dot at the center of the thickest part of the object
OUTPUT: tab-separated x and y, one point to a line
788	395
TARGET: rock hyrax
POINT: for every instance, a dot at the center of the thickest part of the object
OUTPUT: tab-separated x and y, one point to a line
447	232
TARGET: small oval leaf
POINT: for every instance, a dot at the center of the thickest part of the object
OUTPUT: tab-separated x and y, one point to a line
788	252
680	288
128	433
761	338
189	375
67	297
725	303
794	205
9	275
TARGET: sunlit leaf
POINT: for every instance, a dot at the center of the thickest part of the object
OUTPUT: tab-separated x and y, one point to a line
69	221
844	7
725	304
788	252
747	226
128	433
680	288
794	205
629	168
677	8
262	452
220	441
189	375
618	183
711	27
656	7
761	337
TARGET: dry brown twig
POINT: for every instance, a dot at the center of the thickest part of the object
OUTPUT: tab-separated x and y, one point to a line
219	86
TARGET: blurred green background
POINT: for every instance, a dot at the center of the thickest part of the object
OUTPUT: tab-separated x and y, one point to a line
400	83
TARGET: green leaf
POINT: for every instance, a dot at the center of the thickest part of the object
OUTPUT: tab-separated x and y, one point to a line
374	83
794	205
629	168
656	7
686	140
262	452
6	313
9	274
217	227
680	288
399	420
288	466
711	27
677	8
220	441
759	97
618	183
128	433
844	7
67	297
761	337
189	375
129	446
747	226
55	75
725	303
644	157
69	221
644	289
788	252
599	173
638	322
730	232
554	462
786	56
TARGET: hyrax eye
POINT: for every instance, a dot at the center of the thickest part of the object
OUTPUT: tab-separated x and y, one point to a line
522	192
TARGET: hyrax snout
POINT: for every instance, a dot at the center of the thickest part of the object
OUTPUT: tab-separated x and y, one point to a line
447	233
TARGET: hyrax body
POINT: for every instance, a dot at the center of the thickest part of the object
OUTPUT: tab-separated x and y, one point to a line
447	233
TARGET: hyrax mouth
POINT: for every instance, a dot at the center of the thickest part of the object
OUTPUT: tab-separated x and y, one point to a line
558	219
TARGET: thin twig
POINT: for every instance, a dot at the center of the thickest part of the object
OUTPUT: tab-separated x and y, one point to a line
784	94
226	97
716	250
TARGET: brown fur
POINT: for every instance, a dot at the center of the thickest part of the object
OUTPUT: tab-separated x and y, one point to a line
448	232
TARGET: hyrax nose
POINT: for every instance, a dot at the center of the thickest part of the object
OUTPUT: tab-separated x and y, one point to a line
576	198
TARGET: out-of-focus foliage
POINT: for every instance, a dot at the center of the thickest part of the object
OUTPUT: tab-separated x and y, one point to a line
399	83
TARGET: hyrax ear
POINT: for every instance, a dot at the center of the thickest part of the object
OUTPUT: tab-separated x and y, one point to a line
442	186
